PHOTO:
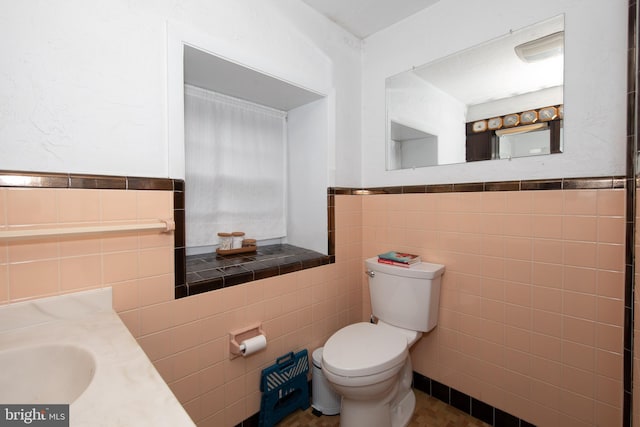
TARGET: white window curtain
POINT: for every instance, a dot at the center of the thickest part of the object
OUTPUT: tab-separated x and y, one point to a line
235	179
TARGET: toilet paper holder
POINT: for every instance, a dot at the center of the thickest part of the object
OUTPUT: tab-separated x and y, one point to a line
236	337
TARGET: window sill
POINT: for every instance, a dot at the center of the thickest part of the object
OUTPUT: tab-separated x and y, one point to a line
209	272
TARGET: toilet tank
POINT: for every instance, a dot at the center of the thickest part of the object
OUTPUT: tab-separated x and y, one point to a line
406	297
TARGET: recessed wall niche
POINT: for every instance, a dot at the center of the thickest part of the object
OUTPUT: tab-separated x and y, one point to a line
197	60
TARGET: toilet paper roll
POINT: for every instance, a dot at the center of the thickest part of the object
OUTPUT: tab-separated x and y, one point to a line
253	345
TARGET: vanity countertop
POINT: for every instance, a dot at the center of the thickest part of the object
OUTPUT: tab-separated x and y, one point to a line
126	389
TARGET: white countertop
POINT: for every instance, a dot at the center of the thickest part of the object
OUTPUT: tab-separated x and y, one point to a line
126	389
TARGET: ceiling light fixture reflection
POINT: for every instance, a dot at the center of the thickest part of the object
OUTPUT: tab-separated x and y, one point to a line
545	47
522	129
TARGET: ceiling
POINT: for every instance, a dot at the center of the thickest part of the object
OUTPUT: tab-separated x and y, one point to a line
365	17
214	73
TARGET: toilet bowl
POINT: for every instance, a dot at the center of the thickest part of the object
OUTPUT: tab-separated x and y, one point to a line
368	364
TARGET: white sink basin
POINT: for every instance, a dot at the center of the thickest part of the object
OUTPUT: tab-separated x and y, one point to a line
46	374
74	349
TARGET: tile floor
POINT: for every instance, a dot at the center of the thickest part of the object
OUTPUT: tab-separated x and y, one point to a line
429	412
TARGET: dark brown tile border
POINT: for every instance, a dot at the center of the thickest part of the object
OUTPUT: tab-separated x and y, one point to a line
594	183
414	189
29	179
81	181
97	182
464	402
631	192
440	188
541	184
60	180
150	184
468	187
502	186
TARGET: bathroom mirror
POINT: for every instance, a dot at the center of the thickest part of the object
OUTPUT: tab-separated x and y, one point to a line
520	71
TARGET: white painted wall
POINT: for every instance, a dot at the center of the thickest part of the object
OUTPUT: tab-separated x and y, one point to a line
594	92
84	82
307	189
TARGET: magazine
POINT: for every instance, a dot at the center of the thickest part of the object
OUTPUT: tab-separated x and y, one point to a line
398	258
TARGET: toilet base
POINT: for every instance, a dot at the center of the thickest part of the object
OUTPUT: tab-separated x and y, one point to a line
401	414
365	413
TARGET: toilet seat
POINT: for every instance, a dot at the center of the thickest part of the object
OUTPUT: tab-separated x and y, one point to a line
363	349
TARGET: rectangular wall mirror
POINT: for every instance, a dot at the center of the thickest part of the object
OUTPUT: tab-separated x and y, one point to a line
475	104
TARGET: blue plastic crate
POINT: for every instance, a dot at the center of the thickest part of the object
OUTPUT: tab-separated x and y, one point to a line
284	388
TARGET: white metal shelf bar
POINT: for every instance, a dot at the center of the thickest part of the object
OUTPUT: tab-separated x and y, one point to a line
164	226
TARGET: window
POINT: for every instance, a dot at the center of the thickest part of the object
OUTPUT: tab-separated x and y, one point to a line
235	179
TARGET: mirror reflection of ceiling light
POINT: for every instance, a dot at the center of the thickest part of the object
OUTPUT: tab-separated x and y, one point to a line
542	48
522	129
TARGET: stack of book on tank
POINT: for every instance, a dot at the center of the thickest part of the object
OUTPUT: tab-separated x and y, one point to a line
401	259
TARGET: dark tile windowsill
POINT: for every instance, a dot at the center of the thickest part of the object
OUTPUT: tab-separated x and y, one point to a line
208	272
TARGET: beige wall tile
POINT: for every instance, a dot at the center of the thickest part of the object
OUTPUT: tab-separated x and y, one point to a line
126	295
186	388
549	202
495	202
186	363
119	266
82	272
131	320
609	364
581	279
33	278
155	262
118	205
79	205
31	206
611	229
4	284
213	402
157	289
3	207
610	311
580	254
547	323
80	246
610	256
547	226
156	318
580	202
120	243
154	205
579	305
581	331
157	345
579	356
547	299
32	250
533	286
611	203
4	253
583	228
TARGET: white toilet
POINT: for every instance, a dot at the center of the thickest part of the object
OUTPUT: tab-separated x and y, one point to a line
368	364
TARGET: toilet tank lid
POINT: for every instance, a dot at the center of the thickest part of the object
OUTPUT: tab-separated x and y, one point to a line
419	270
